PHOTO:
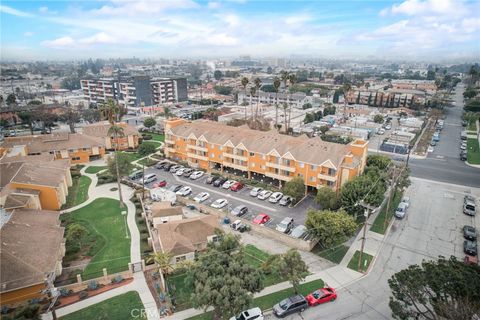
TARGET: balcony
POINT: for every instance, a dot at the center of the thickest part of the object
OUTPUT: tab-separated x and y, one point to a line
170	150
277	176
234	156
280	166
327	177
198	148
168	141
235	166
197	156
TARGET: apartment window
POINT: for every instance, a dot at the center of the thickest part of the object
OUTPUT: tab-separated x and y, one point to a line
287	162
180	258
212	155
302	165
331	172
252	154
263	167
312	179
263	157
312	167
75	158
300	175
215	239
330	183
252	165
220	148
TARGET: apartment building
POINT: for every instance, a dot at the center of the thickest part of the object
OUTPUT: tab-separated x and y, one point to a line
129	140
135	91
264	155
428	86
391	98
296	99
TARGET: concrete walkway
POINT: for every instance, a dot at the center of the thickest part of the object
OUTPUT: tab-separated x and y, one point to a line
139	283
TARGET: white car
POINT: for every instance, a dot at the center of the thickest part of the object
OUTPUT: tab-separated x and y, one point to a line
388	127
228	184
254	313
180	171
264	194
430	149
196	175
275	197
463	147
381	131
219	203
406	200
185	191
285	226
202	196
255	191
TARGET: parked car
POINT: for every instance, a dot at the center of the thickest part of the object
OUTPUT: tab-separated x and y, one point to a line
175	168
406	200
463	147
275	197
136	175
433	143
469	233
320	296
185	191
251	314
236	186
196	175
464	123
219	182
202	196
264	194
211	179
299	231
219	203
468	198
290	305
168	166
149	178
381	131
463	156
388	127
228	184
255	191
285	201
401	210
430	149
238	225
160	184
470	247
175	187
161	164
469	208
187	172
239	210
261	219
285	226
180	171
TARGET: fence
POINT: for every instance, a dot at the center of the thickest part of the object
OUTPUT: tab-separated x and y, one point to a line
81	284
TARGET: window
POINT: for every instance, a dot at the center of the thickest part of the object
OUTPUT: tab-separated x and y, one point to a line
212	155
331	172
220	148
312	167
287	162
312	179
252	154
300	175
180	258
263	157
330	183
253	165
75	158
302	165
263	167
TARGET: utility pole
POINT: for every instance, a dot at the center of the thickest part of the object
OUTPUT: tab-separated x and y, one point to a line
367	212
390	194
51	297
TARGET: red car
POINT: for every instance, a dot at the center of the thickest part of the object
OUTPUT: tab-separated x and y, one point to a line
236	186
160	184
320	296
262	218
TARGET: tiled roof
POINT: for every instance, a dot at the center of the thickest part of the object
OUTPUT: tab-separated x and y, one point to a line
100	129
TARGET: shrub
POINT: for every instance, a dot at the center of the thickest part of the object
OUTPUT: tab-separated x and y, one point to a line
82	295
92	285
117	279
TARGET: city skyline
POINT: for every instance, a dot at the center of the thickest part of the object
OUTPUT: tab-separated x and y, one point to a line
410	30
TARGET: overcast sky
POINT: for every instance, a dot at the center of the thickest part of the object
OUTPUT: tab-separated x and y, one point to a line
412	29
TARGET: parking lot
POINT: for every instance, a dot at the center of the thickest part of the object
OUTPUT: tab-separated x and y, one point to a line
241	197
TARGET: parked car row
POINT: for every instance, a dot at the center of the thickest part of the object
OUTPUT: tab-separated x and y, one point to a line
179	170
463	150
469	232
273	197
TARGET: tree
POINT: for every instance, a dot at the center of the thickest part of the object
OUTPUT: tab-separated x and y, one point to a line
244	82
294	188
470	92
329	110
163	263
71	117
27	118
75	233
309	117
307	105
218	75
380	161
91	115
292	79
327	198
276	85
46	117
222	279
291	267
431	75
11	99
345	90
258	85
147	148
378	118
324	129
369	187
330	227
443	289
122	161
225	90
149	122
167	112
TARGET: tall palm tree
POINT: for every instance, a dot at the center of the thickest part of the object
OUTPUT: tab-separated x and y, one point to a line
284	77
276	85
345	89
253	91
244	84
285	108
292	79
167	112
163	262
258	85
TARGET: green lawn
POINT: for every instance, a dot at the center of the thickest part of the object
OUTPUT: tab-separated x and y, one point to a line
181	291
366	259
268	301
95	169
472	126
132	156
78	192
473	151
379	225
156	136
111	250
121	307
255	257
334	254
147	162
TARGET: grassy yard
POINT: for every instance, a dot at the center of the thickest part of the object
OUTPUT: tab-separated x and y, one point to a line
255	257
268	301
379	224
473	151
118	308
366	259
95	169
147	162
156	136
111	250
334	254
78	192
132	156
472	126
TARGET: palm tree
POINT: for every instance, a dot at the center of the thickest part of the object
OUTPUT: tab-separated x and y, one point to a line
284	76
276	85
167	112
253	91
345	89
258	85
244	85
285	108
292	79
163	262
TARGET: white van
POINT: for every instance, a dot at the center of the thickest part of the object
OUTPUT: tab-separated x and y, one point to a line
150	178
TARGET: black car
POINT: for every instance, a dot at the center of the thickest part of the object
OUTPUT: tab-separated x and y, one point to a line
220	181
211	179
168	166
470	247
469	233
290	305
463	157
175	187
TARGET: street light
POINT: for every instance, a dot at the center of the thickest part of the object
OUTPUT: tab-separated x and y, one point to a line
124	213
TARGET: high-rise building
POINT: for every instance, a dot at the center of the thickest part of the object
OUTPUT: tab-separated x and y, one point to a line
135	91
